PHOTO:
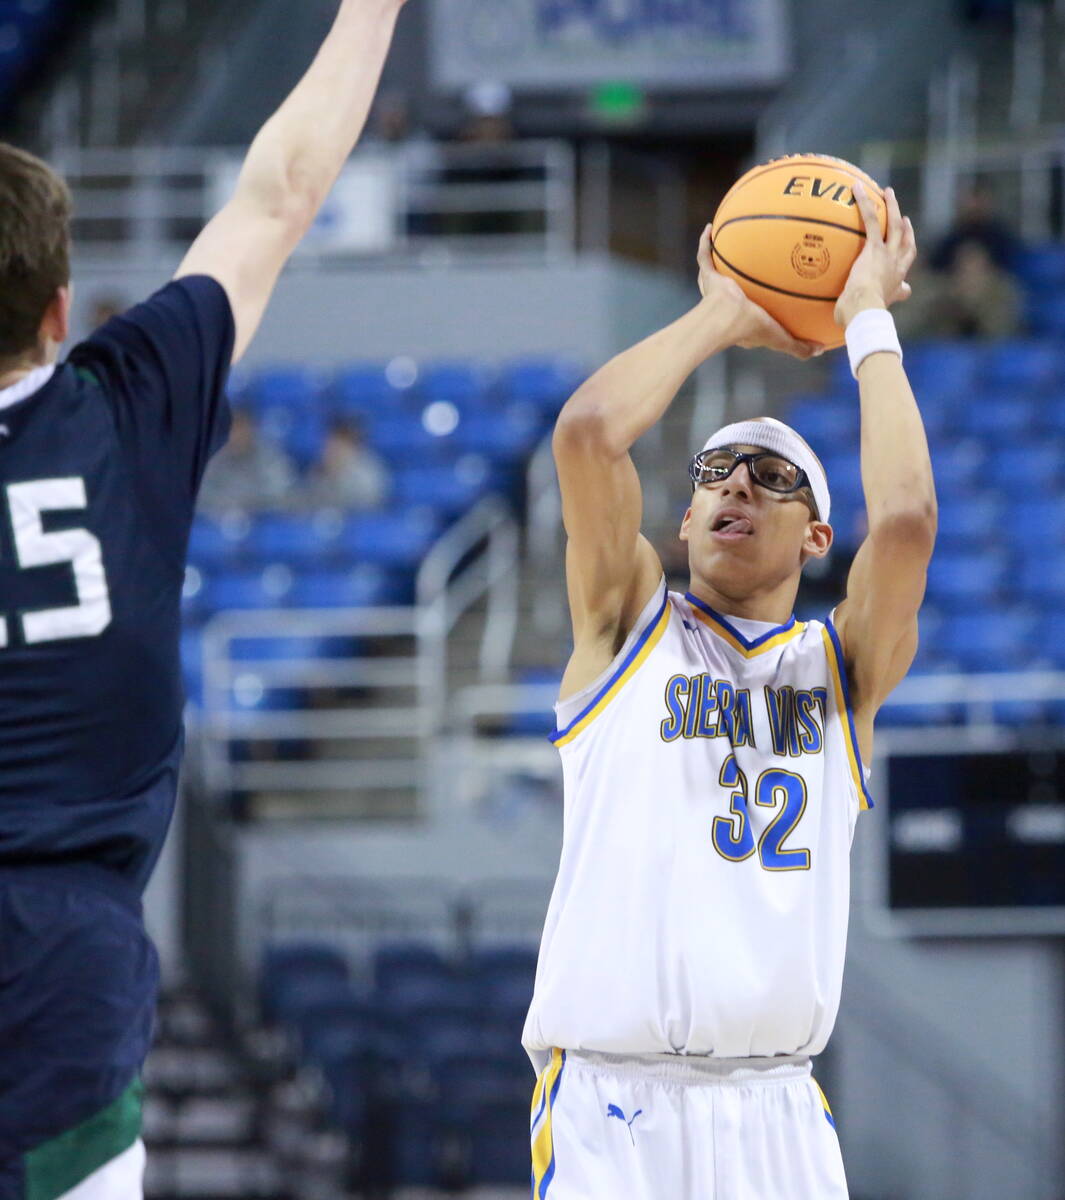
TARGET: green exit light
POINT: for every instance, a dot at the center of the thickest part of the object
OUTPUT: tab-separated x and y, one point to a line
617	101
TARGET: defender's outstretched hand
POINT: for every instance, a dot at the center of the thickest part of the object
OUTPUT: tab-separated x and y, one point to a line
878	277
750	326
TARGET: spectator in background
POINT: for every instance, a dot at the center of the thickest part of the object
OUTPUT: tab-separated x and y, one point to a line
249	474
103	307
349	475
977	221
973	299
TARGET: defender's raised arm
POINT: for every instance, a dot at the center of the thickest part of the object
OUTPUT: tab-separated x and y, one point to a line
877	621
293	163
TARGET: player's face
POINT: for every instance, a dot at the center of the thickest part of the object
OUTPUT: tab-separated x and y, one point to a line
744	538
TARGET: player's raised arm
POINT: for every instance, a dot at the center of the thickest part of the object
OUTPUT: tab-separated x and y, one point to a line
611	568
293	163
877	621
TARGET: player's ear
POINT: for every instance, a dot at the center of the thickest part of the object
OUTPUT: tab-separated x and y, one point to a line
818	540
55	325
683	535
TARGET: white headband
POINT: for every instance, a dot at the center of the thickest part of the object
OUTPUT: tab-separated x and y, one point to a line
781	439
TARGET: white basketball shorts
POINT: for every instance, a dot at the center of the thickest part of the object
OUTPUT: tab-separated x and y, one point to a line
607	1126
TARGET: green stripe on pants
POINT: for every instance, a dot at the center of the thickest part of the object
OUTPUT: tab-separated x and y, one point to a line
61	1164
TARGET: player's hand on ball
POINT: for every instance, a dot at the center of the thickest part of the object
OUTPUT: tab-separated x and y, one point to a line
878	277
750	326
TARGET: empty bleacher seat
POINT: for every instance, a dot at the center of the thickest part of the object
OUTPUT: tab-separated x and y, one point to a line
546	383
1022	365
992	640
289	387
969	522
284	963
358	587
216	544
249	588
450	488
966	577
390	539
502	436
363	391
460	383
296	539
829	423
994	416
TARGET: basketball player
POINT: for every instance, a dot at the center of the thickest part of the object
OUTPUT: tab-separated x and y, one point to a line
712	749
101	457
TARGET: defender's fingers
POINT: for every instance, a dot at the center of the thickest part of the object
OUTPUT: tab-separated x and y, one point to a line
868	210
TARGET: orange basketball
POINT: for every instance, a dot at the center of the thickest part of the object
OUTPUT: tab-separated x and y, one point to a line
788	232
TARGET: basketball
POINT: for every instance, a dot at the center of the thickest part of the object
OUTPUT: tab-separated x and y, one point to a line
788	232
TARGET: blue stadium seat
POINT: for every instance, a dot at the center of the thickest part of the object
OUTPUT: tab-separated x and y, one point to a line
402	437
829	423
546	383
440	1030
192	666
1034	523
290	387
391	539
282	963
279	649
251	589
1022	366
299	431
501	436
1042	578
459	383
1002	640
993	416
299	540
969	522
956	578
1045	312
943	368
844	473
1042	267
503	974
364	586
1036	464
958	465
397	965
216	544
451	488
363	391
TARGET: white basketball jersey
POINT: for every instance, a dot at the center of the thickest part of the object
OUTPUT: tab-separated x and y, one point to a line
712	784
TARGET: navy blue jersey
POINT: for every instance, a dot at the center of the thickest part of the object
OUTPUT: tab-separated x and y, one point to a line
99	471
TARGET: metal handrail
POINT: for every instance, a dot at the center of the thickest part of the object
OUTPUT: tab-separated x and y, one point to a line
476	558
155	194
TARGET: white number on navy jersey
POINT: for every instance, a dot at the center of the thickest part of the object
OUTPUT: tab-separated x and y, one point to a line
91	615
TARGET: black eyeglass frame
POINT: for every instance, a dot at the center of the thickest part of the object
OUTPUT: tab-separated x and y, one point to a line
802	480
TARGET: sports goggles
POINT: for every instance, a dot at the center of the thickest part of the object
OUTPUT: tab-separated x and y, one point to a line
768	470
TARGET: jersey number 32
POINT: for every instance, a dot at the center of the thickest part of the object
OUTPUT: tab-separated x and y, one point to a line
27	503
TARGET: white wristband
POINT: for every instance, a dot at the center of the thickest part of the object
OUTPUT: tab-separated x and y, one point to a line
871	332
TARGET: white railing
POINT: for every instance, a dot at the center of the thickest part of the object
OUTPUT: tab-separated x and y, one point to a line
930	177
424	199
476	559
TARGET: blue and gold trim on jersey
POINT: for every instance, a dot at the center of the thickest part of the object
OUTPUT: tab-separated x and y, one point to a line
838	671
543	1143
824	1104
633	661
772	639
